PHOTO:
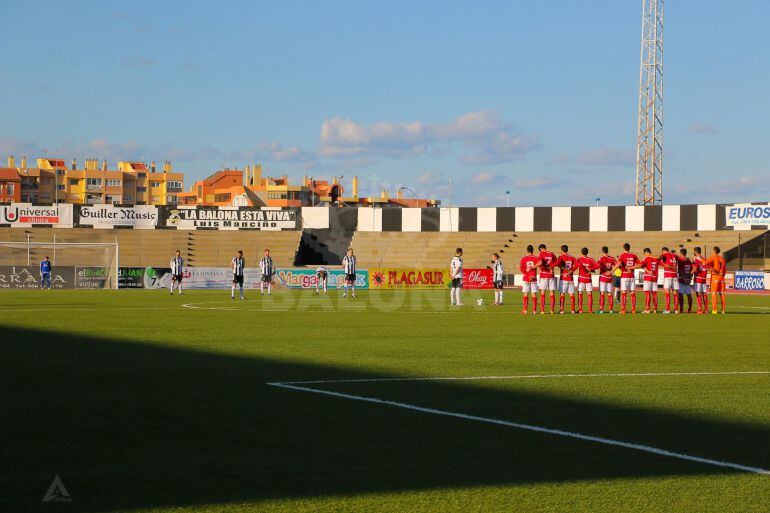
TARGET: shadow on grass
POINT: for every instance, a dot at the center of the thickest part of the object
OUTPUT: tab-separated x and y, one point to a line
129	425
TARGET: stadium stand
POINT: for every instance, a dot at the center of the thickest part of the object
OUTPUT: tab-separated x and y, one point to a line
201	248
435	249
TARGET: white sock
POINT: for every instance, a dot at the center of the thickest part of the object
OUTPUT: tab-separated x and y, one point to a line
457	293
452	295
240	287
232	291
501	296
353	289
269	286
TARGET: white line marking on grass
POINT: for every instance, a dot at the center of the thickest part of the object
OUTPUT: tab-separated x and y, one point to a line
34	308
530	376
529	427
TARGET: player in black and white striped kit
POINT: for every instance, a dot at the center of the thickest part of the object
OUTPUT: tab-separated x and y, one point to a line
456	274
497	278
177	265
349	266
266	268
238	265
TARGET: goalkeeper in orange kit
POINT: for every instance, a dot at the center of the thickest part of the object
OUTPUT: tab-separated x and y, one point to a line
718	267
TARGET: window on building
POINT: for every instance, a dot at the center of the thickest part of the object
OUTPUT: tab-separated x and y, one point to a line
141	175
9	188
61	172
93	183
128	199
141	189
156	199
172	200
154	184
174	186
276	195
112	182
113	199
73	181
61	186
219	198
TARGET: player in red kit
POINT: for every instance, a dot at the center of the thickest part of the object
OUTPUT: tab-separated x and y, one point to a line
700	273
546	281
685	270
568	264
586	266
627	262
650	264
670	263
606	280
528	268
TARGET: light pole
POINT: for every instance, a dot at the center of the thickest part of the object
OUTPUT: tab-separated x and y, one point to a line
597	201
507	199
414	194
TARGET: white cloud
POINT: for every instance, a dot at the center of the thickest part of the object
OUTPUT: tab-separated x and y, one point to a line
702	128
600	157
537	183
490	140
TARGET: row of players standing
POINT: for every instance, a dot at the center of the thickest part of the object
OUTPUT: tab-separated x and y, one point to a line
267	271
237	264
681	277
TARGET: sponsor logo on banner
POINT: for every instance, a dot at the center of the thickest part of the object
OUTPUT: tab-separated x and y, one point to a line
110	216
306	278
218	278
477	278
408	278
749	280
747	215
28	277
26	214
131	277
92	278
235	218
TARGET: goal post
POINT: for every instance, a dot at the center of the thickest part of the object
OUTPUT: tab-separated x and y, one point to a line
94	265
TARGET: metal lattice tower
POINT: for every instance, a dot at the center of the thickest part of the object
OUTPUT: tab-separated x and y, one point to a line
649	140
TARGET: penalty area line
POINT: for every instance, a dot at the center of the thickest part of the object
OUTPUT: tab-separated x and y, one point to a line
529	427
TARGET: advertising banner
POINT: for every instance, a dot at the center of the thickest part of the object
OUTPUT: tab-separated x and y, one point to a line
477	278
144	277
28	277
749	280
746	214
391	278
218	278
24	215
229	218
92	278
110	216
306	278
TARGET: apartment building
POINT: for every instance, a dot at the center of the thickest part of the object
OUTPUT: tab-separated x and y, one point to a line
132	183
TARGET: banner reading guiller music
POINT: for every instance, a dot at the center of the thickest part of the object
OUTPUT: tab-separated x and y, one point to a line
402	278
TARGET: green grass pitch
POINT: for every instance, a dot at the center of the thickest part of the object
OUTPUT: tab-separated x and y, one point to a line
140	403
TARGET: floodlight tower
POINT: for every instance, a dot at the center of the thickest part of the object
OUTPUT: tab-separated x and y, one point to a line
649	139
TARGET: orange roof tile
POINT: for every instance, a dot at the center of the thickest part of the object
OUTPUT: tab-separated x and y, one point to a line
8	174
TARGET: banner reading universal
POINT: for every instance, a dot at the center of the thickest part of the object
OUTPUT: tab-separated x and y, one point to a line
230	218
110	216
25	215
748	215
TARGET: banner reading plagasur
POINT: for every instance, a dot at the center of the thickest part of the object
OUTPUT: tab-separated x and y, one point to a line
391	278
306	278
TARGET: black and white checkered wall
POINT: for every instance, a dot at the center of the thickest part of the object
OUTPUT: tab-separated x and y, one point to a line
533	219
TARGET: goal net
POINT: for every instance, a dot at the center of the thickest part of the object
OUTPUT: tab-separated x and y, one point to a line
81	265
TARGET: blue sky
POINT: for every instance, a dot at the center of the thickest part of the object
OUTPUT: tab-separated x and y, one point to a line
538	98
